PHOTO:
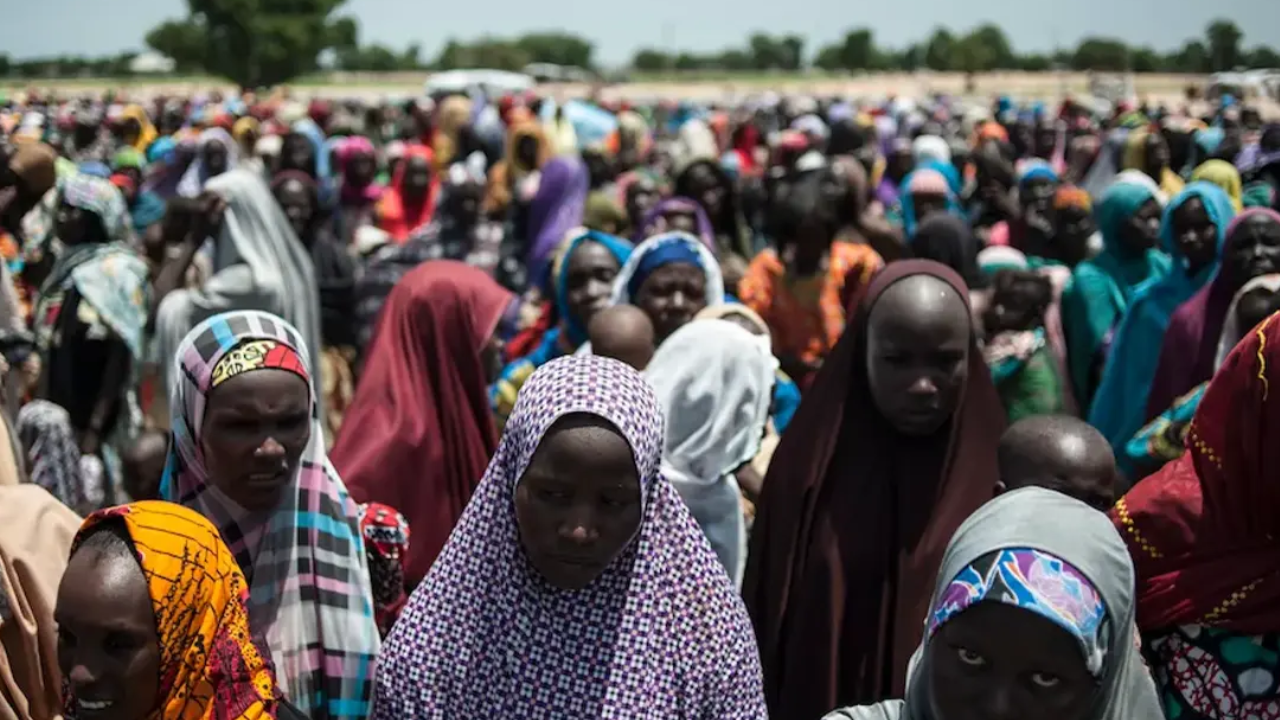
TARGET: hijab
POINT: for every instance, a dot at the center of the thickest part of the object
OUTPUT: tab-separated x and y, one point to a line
197	174
210	666
843	547
574	330
309	588
714	381
419	432
486	636
1224	175
654	220
661	250
396	215
949	240
555	209
351	194
1055	557
147	132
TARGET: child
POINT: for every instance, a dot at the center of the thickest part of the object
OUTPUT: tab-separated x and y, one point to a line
1021	361
622	332
1060	453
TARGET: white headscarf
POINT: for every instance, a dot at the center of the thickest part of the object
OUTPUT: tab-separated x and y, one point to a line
196	177
1232	333
714	380
931	147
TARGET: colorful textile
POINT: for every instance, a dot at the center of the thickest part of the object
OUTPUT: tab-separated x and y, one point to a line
927	182
257	355
806	316
53	457
210	666
398	217
100	197
654	221
1025	374
1135	158
485	636
147	132
198	173
624	287
1224	175
1201	530
1207	673
309	592
554	211
386	544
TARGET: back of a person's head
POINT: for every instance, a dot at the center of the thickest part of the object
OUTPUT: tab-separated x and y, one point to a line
623	332
1061	453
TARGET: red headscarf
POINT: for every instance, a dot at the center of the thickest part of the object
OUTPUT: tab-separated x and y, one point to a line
419	433
1203	530
399	218
853	523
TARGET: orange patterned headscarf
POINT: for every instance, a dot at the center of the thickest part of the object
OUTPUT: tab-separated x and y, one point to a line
209	668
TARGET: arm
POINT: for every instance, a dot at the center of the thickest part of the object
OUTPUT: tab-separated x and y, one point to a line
114	376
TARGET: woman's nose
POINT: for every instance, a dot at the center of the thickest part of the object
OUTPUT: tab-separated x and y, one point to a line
270	448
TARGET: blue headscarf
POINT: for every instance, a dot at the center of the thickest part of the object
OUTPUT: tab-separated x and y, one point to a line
161	149
1119	410
949	171
907	202
621	251
1035	169
661	256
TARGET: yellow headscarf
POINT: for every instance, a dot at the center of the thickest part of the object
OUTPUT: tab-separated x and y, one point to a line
1224	175
1135	158
147	134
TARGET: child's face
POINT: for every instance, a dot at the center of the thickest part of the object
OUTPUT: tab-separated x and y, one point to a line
1017	304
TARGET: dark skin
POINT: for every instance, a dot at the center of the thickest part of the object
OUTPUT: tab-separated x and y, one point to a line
622	332
918	337
1018	302
142	464
297	154
1072	228
1253	249
641	196
805	255
680	221
1141	232
999	662
360	169
295	200
527	151
1037	195
671	296
108	645
1046	141
926	205
1060	453
188	230
130	131
578	502
417	179
589	275
707	190
256	426
899	163
1157	156
1195	234
215	158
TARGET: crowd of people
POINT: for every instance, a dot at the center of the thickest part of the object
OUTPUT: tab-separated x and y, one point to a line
482	406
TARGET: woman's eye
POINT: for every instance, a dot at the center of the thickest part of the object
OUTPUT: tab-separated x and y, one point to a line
971	658
1045	681
65	638
554	496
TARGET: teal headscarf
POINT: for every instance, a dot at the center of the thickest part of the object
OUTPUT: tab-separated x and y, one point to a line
1102	287
1119	410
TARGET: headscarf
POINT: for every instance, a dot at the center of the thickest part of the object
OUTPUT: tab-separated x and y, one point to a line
127	158
34	548
53	455
1102	286
924	181
554	210
98	196
1224	175
714	381
35	164
661	250
486	636
147	133
649	225
1189	351
949	240
418	432
258	264
1119	410
1051	555
309	589
394	215
843	551
1202	529
350	193
576	332
197	175
931	147
210	666
1135	158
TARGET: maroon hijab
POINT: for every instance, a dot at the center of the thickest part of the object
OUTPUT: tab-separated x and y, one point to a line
853	523
1190	346
419	433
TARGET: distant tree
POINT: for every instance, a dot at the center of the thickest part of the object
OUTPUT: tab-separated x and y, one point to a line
1101	54
939	53
688	61
649	60
830	58
973	54
1259	57
792	47
6	65
254	42
412	57
1145	60
1034	62
737	60
1224	45
993	39
557	48
450	57
859	51
1192	58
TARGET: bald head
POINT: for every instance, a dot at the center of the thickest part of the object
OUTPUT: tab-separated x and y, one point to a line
622	332
1059	453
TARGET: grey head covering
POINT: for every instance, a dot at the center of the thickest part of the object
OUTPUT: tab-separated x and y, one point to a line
1044	520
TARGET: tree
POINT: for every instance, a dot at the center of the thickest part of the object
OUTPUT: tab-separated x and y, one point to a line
254	43
1101	54
972	55
939	53
830	58
1224	45
792	52
1035	62
1192	58
859	51
557	48
993	39
6	65
650	60
1259	57
1145	60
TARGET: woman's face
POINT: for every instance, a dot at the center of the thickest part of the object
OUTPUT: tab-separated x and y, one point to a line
707	190
295	200
588	281
641	197
996	661
1255	306
578	502
215	158
1195	234
527	151
1074	226
680	221
900	162
361	168
671	296
417	177
297	154
1254	248
1141	232
72	224
918	354
926	205
108	645
130	131
1046	141
1038	194
256	426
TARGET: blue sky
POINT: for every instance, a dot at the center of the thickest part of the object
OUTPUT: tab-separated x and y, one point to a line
96	27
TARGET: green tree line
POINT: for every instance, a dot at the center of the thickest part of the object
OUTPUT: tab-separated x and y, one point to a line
266	42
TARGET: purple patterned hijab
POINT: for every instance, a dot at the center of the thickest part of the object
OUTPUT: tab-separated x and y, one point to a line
661	633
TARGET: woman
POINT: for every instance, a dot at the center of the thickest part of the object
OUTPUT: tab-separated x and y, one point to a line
174	639
1032	616
551	598
582	277
1200	532
1101	288
554	210
1148	152
418	433
925	192
844	541
217	153
801	289
714	381
247	452
515	178
1031	231
1075	236
1224	175
145	207
676	214
258	264
359	193
786	395
1189	352
672	277
36	541
136	129
1192	234
90	320
409	202
706	183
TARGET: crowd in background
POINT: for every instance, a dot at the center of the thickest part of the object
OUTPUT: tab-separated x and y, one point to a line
482	405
